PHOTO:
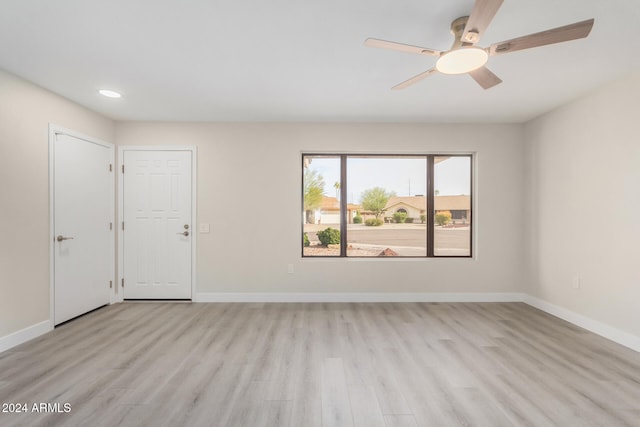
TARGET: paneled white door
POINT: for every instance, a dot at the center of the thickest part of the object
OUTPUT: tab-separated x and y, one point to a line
82	219
157	231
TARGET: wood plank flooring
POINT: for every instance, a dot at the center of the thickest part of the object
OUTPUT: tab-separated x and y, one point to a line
298	365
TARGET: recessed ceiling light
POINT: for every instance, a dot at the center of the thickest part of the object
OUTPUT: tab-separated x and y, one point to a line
109	93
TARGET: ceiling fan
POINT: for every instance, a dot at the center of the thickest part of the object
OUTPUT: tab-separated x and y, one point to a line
465	57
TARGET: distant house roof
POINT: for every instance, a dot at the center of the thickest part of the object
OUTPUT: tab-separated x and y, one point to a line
416	202
333	204
443	203
453	203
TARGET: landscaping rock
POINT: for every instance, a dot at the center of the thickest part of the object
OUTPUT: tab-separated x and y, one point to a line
388	252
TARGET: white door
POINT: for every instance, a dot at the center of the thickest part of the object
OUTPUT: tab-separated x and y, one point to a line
82	216
157	224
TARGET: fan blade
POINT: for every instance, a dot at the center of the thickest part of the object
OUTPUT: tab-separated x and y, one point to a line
481	16
383	44
575	31
485	78
414	79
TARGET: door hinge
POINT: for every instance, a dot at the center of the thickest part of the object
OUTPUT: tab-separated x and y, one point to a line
122	168
110	226
110	167
122	225
110	284
123	282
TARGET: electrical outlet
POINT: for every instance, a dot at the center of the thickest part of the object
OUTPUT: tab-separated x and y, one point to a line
575	282
290	268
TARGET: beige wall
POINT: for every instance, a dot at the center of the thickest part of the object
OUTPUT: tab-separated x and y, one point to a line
411	211
254	167
583	205
25	113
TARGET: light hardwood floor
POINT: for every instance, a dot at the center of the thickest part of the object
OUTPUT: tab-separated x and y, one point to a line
385	364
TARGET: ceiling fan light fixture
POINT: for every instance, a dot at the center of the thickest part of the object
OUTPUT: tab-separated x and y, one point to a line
463	60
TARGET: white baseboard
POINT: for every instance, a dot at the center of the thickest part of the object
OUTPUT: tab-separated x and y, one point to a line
24	335
357	297
616	335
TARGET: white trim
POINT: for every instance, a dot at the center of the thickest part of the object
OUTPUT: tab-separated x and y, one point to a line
12	340
120	181
357	297
194	196
59	130
616	335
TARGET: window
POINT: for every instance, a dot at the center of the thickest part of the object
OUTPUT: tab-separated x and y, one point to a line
386	205
452	227
321	205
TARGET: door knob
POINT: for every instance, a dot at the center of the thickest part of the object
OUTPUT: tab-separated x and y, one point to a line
61	238
184	233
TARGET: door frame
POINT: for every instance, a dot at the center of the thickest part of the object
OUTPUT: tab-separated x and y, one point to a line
59	130
194	195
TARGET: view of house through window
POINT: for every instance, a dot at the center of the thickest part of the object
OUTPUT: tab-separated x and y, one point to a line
389	195
386	206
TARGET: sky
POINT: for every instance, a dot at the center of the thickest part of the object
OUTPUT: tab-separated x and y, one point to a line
404	176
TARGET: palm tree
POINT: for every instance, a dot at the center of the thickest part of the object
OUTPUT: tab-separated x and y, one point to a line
336	185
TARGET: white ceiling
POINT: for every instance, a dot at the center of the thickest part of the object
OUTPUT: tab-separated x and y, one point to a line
301	60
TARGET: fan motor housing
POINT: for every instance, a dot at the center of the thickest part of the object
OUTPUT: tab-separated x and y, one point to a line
457	29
